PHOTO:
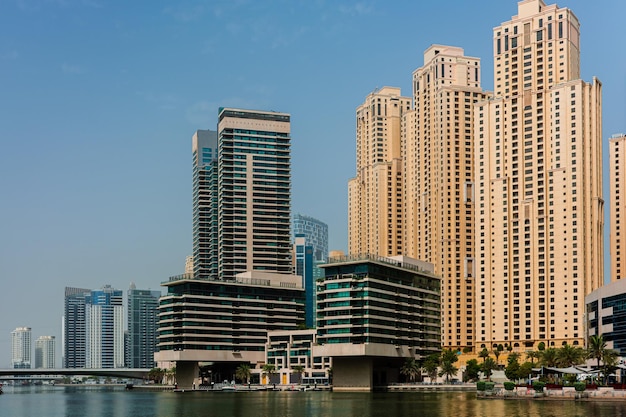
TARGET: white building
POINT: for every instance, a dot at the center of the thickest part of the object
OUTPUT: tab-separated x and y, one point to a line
21	348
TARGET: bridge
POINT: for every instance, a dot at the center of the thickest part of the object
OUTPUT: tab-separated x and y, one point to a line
137	373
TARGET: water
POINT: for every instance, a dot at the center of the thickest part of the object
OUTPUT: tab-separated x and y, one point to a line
103	402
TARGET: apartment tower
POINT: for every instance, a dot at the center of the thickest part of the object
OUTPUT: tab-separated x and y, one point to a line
375	193
143	319
45	352
74	342
438	150
539	207
21	348
204	204
104	328
254	192
617	180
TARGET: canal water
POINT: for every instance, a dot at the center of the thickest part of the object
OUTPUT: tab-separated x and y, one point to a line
105	402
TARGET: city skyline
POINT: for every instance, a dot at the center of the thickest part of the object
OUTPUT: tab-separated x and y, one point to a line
92	208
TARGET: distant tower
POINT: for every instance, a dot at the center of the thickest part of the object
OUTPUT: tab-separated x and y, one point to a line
254	192
45	352
204	205
21	348
375	193
74	342
142	327
189	265
104	318
316	234
617	178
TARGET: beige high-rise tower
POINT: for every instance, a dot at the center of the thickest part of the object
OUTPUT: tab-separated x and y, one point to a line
438	149
617	179
539	207
375	194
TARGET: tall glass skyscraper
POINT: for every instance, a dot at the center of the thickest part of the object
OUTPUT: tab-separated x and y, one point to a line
304	266
74	328
204	148
142	327
254	192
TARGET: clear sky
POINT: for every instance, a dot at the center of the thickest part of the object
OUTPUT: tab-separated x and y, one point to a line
99	100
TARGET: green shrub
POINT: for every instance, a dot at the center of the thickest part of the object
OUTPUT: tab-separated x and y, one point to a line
480	385
538	386
489	386
509	386
580	386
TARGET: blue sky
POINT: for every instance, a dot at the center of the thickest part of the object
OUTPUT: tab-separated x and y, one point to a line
99	100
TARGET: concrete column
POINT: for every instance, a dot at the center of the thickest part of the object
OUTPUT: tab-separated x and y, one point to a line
186	374
353	374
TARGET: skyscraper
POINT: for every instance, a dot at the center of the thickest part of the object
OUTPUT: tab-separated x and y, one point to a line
45	352
104	328
142	327
438	158
74	333
316	234
204	203
539	206
254	192
617	180
21	348
375	193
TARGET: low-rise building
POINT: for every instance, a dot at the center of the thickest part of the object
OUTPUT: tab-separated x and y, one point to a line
372	314
224	322
606	315
291	354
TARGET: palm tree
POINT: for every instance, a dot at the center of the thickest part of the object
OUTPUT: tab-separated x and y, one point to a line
596	348
549	357
610	360
570	355
497	351
410	369
243	373
269	369
448	369
170	375
532	355
483	354
299	369
489	365
430	366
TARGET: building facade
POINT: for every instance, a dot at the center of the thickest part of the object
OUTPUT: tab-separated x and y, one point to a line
104	328
224	322
539	206
254	192
21	348
438	157
204	204
142	325
606	315
617	181
292	351
45	351
375	193
372	313
74	330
